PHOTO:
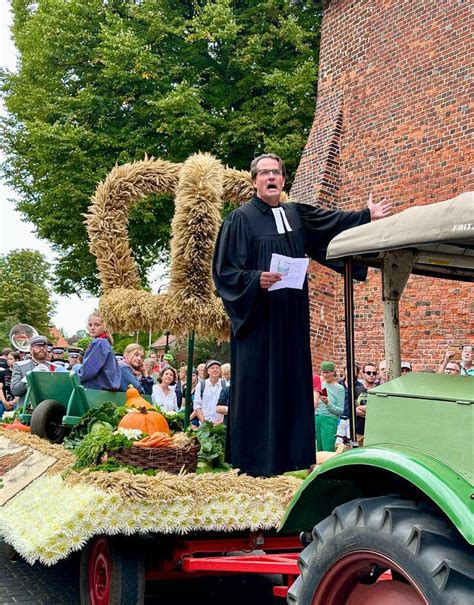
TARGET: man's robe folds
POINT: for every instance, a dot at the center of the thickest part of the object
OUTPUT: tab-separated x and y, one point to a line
271	415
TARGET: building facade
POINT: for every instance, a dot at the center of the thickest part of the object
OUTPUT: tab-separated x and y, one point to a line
393	118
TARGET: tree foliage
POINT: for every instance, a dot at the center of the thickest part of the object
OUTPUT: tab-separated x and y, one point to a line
101	82
204	349
6	325
24	292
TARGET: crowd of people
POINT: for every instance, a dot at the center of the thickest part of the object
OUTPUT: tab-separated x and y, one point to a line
331	395
101	368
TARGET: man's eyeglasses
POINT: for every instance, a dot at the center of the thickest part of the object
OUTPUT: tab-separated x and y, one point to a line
371	373
268	171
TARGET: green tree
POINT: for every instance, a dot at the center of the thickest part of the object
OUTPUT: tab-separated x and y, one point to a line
104	82
6	325
204	349
24	292
83	342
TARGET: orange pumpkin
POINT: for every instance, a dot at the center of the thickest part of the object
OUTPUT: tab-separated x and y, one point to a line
146	422
134	399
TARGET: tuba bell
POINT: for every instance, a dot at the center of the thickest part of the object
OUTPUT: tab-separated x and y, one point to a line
20	335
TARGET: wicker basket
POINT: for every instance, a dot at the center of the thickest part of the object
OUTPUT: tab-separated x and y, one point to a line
169	459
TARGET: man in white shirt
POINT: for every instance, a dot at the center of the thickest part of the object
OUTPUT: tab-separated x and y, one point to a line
207	394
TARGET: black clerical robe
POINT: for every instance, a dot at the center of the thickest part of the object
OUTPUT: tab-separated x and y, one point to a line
270	426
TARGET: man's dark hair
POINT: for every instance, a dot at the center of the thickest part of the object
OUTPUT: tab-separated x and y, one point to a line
370	364
264	156
6	351
455	363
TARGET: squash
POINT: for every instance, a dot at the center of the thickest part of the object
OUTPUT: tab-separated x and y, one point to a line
146	422
134	399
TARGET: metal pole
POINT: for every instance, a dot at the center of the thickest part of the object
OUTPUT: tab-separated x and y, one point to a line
350	353
189	380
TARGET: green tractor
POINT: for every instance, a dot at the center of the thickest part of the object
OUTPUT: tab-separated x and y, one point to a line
392	521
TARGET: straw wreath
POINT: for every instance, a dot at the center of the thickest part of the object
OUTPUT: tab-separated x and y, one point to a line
200	185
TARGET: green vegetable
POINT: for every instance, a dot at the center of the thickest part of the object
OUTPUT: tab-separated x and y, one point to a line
94	446
112	465
212	440
108	412
98	424
175	421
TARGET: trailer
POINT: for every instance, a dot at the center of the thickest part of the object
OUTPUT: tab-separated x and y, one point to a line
389	522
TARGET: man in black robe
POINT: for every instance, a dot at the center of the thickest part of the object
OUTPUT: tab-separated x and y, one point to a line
271	419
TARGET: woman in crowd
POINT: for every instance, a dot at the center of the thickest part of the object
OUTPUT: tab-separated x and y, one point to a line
7	399
162	395
149	369
180	384
100	369
330	407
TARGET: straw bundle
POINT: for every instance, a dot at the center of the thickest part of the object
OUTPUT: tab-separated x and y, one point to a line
200	184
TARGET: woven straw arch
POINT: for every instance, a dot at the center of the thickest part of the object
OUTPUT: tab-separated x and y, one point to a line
200	185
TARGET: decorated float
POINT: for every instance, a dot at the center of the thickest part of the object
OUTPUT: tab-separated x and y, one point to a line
388	522
135	490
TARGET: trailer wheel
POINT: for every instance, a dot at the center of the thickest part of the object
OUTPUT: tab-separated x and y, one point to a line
111	574
46	421
381	551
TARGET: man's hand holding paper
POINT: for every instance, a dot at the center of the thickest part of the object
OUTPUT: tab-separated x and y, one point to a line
292	271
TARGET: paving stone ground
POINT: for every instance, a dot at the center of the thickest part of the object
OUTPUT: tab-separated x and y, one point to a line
59	585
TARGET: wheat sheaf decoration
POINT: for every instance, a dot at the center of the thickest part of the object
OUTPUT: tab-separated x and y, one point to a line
200	186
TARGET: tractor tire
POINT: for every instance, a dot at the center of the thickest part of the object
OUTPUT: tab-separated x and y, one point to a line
46	421
384	550
111	573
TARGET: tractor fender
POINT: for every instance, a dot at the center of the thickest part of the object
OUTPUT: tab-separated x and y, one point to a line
375	471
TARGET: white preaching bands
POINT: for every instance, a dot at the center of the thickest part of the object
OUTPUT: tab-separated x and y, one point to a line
280	220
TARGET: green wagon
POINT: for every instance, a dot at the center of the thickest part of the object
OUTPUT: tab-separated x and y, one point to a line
55	401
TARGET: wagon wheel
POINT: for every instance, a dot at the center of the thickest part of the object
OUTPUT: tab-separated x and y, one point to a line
111	574
46	421
379	551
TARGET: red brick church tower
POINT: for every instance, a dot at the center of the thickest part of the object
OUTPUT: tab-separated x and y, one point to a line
393	117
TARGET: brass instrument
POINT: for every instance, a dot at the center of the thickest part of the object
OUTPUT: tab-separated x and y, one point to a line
20	335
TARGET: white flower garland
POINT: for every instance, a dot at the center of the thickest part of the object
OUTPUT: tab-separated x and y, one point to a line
62	518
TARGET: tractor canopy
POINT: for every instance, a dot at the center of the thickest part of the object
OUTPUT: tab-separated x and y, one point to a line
441	233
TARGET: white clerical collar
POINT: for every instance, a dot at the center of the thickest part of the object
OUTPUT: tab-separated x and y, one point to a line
281	221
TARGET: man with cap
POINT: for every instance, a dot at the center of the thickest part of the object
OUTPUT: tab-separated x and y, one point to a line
329	409
74	357
207	394
168	360
405	367
38	345
58	357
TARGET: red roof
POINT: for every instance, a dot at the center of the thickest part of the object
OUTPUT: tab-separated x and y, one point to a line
161	341
57	338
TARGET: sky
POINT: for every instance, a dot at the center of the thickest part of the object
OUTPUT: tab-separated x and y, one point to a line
71	312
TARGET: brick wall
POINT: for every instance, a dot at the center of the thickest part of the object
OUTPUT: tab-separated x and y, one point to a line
392	118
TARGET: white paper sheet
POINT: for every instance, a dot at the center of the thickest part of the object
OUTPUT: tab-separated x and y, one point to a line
292	271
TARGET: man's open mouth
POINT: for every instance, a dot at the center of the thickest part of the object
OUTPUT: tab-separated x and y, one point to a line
272	186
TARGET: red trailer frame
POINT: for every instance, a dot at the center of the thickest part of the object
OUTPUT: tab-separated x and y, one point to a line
203	557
